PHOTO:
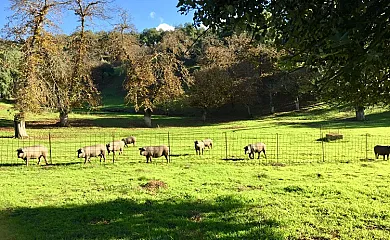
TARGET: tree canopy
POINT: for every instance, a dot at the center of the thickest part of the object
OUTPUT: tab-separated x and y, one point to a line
347	42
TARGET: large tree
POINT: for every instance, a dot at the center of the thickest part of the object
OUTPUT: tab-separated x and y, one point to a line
348	42
154	77
78	88
29	25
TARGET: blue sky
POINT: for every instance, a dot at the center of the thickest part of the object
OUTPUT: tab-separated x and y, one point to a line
144	14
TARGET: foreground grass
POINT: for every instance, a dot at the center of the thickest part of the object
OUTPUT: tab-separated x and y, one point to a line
223	200
198	197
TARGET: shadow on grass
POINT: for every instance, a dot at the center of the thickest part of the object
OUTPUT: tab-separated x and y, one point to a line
372	120
124	218
233	159
12	164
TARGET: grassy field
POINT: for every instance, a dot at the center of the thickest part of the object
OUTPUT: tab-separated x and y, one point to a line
199	197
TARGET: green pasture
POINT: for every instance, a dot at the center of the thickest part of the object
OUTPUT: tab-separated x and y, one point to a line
305	188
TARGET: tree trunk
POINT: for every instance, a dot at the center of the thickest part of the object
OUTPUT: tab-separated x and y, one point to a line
20	126
148	117
271	103
64	118
360	113
297	104
248	108
204	115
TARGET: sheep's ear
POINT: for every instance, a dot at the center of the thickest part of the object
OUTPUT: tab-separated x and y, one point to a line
19	150
246	148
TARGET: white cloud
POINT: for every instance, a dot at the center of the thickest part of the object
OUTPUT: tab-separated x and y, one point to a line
203	27
152	14
165	27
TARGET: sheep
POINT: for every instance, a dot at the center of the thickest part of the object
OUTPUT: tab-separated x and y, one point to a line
199	147
98	150
32	152
208	143
154	151
382	150
251	149
115	146
129	140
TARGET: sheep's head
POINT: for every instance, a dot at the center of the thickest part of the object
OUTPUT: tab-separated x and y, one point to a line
248	149
142	151
80	153
20	153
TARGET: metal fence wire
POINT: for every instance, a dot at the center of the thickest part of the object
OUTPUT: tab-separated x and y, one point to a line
228	146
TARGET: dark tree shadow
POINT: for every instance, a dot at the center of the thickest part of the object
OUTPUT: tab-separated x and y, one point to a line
372	120
127	219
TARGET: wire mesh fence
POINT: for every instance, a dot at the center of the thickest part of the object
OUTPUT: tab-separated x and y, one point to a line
281	148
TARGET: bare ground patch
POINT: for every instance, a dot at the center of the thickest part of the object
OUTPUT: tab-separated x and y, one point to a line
154	185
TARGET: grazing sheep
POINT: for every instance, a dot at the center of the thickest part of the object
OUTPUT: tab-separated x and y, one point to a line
382	150
129	140
115	146
208	143
199	147
98	150
251	149
154	152
32	152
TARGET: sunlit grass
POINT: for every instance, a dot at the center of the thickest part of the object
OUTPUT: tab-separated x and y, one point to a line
290	195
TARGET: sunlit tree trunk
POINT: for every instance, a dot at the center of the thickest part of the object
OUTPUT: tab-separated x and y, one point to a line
271	103
64	118
20	126
297	104
148	117
360	113
248	108
204	114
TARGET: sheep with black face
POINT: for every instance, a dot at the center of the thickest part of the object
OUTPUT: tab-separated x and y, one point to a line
382	150
115	146
87	152
199	147
129	140
154	152
32	152
251	149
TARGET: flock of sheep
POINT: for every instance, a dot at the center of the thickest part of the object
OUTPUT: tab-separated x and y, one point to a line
150	152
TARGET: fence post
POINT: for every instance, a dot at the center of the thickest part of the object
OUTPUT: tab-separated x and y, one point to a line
51	162
366	146
226	146
169	148
277	147
113	148
322	145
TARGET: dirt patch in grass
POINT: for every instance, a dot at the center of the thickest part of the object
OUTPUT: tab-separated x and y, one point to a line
249	187
154	185
278	164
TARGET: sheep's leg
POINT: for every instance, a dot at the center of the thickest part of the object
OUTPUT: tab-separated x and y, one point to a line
39	159
166	157
44	157
264	154
27	161
258	155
